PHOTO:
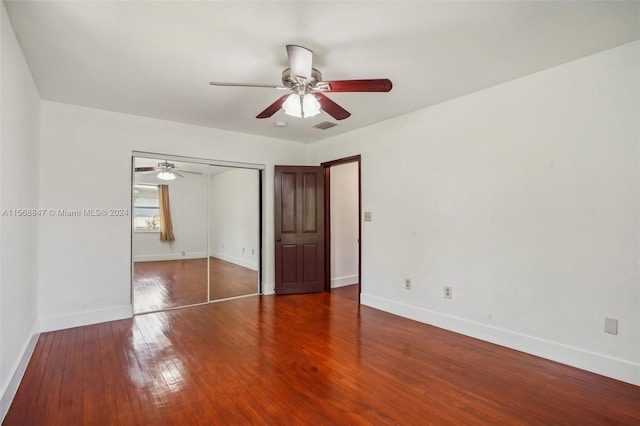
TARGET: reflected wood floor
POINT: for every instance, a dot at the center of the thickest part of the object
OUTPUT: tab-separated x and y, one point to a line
172	283
168	284
231	280
348	291
300	359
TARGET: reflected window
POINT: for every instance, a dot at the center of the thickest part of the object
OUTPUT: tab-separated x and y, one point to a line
146	208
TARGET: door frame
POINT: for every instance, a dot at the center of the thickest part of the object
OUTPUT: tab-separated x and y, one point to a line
327	217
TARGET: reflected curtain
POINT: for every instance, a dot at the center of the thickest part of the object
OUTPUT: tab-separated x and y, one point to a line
166	227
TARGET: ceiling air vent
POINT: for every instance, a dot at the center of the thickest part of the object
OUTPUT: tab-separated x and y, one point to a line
325	125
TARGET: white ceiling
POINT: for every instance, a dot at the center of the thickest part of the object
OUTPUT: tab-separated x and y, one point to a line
156	59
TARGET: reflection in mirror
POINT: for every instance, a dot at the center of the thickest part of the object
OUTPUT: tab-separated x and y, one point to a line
233	232
169	234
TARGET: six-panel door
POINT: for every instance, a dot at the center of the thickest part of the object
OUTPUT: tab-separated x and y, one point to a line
299	229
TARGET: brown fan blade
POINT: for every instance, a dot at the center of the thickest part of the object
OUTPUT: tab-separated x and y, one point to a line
332	108
145	169
300	62
372	85
273	108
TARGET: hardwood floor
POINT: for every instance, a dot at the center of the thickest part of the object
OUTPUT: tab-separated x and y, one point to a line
300	359
168	284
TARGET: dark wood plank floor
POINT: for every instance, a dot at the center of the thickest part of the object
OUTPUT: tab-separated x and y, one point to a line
168	284
304	359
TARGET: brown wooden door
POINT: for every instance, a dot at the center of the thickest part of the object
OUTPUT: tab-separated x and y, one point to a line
299	229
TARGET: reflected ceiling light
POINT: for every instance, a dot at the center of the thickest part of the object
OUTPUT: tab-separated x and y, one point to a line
165	175
301	106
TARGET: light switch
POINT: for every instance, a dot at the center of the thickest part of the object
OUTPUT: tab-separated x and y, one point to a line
367	216
611	325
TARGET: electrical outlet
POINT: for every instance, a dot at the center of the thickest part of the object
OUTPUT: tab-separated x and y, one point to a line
367	216
448	293
184	253
407	283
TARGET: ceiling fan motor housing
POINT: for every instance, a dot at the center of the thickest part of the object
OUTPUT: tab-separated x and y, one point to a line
166	166
300	86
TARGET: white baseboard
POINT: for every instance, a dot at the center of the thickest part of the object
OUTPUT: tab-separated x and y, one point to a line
604	365
235	260
11	387
344	281
78	319
168	256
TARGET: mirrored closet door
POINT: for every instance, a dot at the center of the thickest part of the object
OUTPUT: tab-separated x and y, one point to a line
195	233
233	235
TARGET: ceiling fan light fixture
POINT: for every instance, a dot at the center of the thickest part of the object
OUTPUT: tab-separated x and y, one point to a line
165	175
301	106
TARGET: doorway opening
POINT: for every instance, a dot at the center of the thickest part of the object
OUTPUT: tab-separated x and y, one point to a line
343	229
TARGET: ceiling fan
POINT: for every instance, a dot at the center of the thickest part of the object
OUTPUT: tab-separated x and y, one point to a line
308	88
165	170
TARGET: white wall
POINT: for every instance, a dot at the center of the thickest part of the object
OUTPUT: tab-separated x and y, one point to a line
344	224
85	273
188	199
233	226
20	130
524	199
